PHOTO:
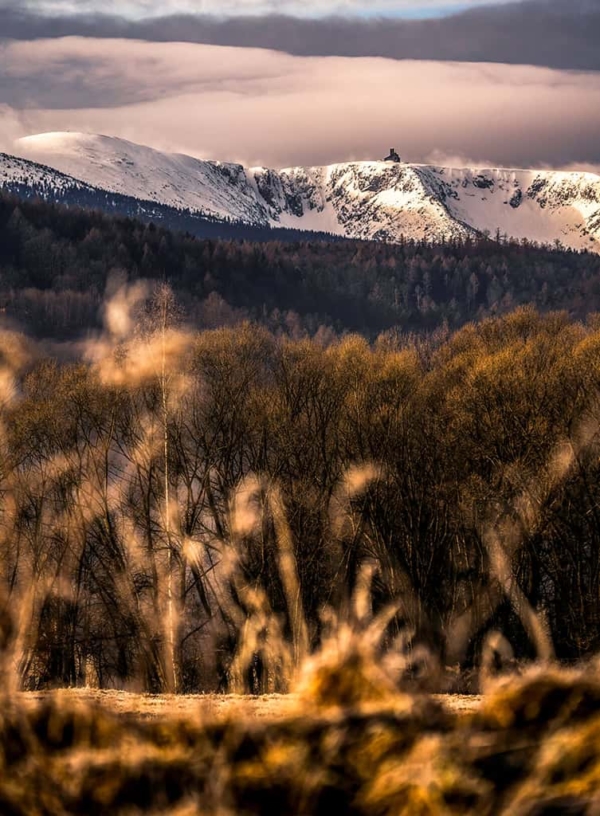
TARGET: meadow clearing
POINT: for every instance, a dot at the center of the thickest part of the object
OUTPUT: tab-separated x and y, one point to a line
207	706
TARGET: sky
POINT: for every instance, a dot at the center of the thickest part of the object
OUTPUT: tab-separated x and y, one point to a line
515	83
136	9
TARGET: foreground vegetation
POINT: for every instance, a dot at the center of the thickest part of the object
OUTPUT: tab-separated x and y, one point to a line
189	510
353	746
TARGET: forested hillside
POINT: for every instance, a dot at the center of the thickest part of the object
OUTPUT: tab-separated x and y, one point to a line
55	263
164	498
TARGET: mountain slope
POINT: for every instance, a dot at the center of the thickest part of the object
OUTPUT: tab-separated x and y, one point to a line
141	172
366	200
28	180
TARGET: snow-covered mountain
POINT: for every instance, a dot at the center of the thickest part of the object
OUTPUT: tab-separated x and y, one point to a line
368	200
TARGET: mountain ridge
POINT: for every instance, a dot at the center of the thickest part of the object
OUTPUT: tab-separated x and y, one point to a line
369	200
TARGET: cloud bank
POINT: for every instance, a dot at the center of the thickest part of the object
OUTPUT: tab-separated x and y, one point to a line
552	33
264	107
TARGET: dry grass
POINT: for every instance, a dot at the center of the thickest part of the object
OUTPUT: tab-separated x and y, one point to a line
529	747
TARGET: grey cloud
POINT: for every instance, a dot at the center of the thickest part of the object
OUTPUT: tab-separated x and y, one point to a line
553	33
72	82
75	72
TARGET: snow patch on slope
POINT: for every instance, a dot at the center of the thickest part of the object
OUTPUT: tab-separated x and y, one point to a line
176	180
543	206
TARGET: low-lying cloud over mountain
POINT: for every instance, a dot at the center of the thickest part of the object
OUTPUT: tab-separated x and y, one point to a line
264	107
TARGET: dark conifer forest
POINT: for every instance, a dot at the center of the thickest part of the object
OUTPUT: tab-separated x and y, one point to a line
55	263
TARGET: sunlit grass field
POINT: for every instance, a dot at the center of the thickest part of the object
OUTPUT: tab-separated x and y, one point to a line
206	706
